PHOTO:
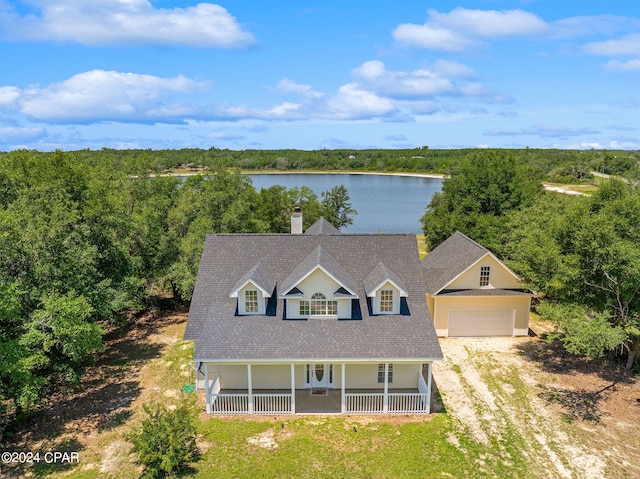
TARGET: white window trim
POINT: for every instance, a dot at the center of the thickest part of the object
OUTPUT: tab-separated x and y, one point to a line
387	302
242	303
395	303
255	303
485	276
317	303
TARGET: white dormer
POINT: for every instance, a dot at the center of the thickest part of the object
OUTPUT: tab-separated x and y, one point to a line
251	300
385	290
318	287
253	291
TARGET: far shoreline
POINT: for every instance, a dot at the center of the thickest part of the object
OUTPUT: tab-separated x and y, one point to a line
342	172
315	172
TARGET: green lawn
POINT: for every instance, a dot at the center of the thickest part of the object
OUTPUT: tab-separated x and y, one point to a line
344	447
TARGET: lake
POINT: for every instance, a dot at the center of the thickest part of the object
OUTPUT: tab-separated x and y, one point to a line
385	203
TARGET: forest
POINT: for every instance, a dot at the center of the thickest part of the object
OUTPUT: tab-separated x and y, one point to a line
563	166
89	237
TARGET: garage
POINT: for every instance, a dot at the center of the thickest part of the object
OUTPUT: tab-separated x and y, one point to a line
484	322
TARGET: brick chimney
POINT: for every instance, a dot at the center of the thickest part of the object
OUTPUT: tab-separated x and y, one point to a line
296	222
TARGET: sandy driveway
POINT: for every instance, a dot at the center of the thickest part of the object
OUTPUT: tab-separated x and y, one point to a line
494	392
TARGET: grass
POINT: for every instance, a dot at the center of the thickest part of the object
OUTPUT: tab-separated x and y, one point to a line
336	447
422	246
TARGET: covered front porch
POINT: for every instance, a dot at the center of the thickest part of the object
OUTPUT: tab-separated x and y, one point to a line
329	395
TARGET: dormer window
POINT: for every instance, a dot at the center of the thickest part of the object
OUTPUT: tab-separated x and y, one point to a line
485	274
318	306
251	301
386	301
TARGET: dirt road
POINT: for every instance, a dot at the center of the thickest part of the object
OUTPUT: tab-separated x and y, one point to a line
509	396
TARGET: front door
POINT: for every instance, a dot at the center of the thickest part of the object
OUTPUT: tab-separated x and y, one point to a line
318	375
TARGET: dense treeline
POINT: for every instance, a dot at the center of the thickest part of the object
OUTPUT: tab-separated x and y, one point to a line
83	242
557	165
580	254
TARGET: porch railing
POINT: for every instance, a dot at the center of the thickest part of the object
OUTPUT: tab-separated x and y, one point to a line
262	404
373	403
408	403
272	404
230	404
364	403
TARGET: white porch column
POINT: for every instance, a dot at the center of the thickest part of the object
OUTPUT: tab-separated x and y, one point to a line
385	401
250	387
343	404
293	389
207	391
429	387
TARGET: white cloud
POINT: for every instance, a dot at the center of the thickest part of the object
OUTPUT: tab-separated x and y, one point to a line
353	102
126	22
397	84
431	38
618	66
13	134
490	23
100	95
454	69
462	28
8	95
628	45
287	86
592	25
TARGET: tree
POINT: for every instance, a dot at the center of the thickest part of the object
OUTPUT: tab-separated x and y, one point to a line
336	208
165	441
478	195
62	335
222	201
585	251
582	331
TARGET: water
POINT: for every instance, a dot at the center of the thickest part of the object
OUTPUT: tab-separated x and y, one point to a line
385	203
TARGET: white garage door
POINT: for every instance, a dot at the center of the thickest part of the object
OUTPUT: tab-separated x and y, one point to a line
481	322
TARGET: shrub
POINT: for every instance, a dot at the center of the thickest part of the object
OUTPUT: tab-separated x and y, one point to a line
166	439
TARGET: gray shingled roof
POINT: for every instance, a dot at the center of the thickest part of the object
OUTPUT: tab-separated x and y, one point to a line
322	227
379	275
450	258
221	335
319	257
258	275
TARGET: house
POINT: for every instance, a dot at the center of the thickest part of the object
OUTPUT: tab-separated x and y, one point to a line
313	321
470	292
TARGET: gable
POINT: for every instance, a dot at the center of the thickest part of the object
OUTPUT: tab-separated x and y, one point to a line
318	281
319	259
259	277
501	277
380	276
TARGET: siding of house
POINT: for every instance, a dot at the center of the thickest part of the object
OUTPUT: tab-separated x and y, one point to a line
520	304
365	376
278	376
318	282
500	276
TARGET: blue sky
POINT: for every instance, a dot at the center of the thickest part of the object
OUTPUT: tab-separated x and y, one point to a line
319	74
